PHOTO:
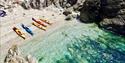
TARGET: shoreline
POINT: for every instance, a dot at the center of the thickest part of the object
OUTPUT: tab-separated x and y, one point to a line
7	42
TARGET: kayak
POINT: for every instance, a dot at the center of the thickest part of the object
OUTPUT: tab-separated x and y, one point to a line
21	34
2	13
27	29
39	26
39	22
46	21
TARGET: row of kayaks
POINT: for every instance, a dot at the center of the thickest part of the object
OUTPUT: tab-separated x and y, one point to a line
41	24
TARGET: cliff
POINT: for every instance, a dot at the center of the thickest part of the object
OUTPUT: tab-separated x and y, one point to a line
109	14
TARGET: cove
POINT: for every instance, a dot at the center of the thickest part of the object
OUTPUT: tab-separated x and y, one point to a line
78	43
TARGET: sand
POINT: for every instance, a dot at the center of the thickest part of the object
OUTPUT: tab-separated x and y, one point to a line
8	37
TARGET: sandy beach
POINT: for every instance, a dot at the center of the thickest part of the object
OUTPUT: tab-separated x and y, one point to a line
9	37
76	35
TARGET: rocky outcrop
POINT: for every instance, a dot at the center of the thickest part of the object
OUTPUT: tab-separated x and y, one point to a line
38	4
109	14
14	56
90	11
115	24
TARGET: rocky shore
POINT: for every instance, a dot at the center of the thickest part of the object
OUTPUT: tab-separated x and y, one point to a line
108	14
14	56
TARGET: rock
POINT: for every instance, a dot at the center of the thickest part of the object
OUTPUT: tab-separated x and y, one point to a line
52	14
24	5
99	9
74	15
90	11
31	59
108	14
14	56
68	5
66	13
39	4
69	17
115	25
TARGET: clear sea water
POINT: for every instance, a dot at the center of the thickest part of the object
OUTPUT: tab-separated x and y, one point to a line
78	43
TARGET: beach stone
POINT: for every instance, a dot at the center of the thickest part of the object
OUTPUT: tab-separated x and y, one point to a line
52	14
69	17
66	13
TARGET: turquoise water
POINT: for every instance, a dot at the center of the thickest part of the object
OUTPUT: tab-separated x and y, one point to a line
78	43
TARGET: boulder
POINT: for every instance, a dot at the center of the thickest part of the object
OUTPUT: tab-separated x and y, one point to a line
109	14
69	17
14	56
115	25
67	12
90	11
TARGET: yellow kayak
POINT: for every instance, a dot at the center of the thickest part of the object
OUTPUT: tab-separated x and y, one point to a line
39	26
46	21
21	34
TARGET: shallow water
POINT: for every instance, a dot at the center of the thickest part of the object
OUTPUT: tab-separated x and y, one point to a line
78	43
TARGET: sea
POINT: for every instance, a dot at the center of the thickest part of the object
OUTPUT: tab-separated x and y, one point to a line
77	43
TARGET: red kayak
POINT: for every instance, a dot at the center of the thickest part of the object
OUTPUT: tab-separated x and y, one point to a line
39	22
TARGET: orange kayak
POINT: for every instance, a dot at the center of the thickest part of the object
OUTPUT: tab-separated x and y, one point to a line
39	26
46	21
21	34
39	22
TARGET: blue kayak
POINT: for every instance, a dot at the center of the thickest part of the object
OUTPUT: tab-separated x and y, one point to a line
2	13
27	29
